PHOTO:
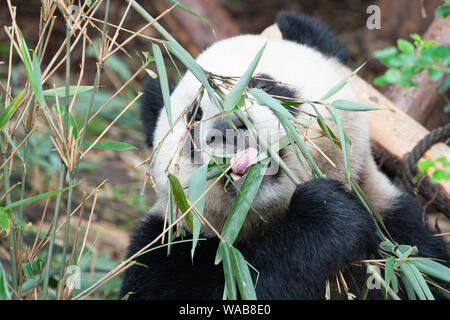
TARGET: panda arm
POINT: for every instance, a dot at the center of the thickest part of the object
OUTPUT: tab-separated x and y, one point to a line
324	229
404	222
161	276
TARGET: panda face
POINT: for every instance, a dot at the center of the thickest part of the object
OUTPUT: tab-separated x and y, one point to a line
286	71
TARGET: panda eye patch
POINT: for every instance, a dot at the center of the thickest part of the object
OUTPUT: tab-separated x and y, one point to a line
198	114
271	86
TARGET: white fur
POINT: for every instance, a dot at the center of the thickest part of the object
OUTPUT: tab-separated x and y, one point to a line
311	74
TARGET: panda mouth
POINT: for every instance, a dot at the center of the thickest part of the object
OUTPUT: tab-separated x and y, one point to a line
240	164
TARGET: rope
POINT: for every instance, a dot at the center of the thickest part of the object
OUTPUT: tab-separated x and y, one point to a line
433	193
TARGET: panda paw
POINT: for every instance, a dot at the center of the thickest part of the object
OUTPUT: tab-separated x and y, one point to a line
325	206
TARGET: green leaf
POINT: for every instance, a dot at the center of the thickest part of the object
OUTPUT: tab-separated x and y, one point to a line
9	111
34	76
41	196
352	106
408	273
440	175
230	282
266	100
61	91
164	83
38	91
433	268
197	187
5	220
183	7
447	108
109	145
389	270
4	290
393	76
442	11
289	128
386	53
337	119
444	161
242	274
421	281
341	84
387	246
126	296
435	74
409	288
381	81
424	165
180	198
242	203
406	46
235	95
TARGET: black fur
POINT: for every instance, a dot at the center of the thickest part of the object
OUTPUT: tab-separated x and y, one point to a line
311	32
151	105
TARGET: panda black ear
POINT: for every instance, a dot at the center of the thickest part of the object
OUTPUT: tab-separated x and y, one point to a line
151	105
312	33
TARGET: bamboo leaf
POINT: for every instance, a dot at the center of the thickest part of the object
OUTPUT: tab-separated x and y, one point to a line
180	198
109	145
164	83
38	79
352	106
433	269
341	84
242	274
337	119
389	271
289	128
235	95
241	206
61	91
411	278
183	7
42	196
421	281
230	282
4	290
9	111
266	100
197	187
5	219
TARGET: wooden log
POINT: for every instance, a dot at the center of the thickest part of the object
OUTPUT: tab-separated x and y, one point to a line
419	102
393	132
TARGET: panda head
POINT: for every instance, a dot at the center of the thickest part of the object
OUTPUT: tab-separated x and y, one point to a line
286	70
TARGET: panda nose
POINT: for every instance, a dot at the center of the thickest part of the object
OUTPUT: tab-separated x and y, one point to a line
223	125
224	134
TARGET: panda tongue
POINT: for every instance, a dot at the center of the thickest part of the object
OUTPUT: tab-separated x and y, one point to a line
242	161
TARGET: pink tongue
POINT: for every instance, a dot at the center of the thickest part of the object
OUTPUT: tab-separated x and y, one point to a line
243	160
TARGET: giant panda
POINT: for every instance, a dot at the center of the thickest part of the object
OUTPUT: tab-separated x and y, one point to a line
296	236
